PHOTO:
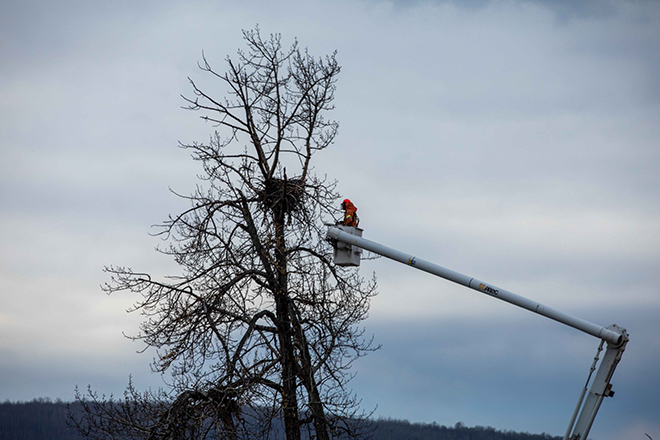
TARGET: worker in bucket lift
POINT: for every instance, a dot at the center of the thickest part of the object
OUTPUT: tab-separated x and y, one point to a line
350	217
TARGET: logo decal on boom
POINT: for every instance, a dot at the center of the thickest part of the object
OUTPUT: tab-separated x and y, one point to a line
488	289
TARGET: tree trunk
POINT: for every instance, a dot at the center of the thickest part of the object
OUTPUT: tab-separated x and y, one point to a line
307	378
288	359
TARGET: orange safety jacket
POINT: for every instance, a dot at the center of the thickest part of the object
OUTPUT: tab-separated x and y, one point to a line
350	217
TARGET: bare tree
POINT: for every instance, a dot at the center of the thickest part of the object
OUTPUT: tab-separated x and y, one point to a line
260	326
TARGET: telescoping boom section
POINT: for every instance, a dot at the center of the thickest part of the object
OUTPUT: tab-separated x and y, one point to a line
348	244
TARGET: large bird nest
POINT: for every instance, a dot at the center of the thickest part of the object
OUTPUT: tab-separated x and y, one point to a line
283	196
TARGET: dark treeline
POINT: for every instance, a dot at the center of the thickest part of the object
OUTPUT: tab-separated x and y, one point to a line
404	430
40	419
43	419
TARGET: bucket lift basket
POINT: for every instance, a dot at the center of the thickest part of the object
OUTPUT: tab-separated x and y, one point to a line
347	255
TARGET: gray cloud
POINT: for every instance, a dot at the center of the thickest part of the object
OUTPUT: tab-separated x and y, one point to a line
500	140
522	373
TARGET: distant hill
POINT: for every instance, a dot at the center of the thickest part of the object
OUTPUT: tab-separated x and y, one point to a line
404	430
40	419
43	419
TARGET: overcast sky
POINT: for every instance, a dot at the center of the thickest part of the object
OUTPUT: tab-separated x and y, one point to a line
516	142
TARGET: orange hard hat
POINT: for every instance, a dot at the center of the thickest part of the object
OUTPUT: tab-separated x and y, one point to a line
346	201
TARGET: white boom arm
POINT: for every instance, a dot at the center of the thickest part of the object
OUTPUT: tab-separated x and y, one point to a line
615	337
